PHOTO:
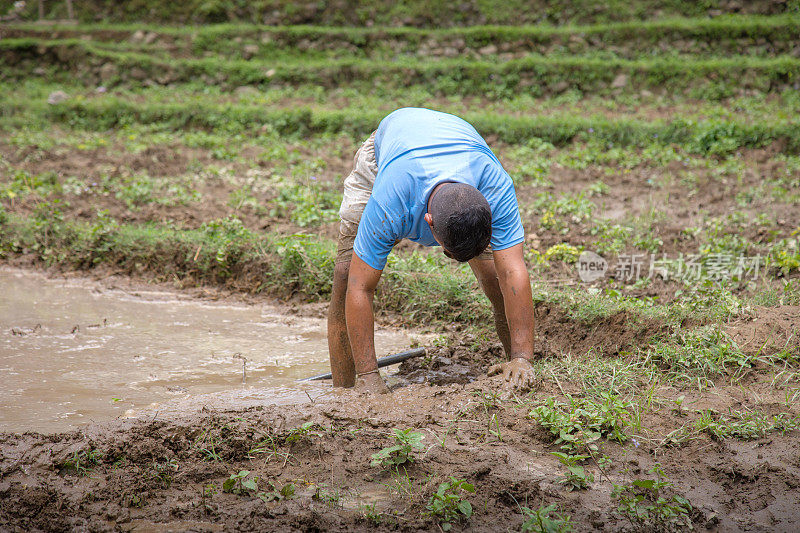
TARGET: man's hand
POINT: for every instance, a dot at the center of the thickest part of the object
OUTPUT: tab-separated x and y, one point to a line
372	382
518	372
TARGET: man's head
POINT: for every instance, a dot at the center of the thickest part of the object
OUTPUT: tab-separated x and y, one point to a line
460	219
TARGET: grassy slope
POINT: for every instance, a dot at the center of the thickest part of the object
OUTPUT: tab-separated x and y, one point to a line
408	12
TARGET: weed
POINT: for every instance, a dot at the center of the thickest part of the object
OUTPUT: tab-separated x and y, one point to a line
307	204
207	444
744	426
643	502
207	492
447	504
270	448
302	433
563	252
284	492
369	512
407	441
226	235
703	353
165	470
324	493
83	461
545	520
239	483
585	421
576	476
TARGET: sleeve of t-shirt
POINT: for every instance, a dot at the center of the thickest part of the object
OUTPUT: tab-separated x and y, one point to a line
378	230
506	221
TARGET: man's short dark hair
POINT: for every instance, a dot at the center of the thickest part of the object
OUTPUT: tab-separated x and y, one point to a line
462	220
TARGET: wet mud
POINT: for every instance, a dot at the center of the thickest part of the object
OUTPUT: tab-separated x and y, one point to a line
163	468
151	474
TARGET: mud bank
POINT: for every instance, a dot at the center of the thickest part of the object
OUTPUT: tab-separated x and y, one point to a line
147	475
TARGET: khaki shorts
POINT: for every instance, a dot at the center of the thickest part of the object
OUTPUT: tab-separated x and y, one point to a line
357	190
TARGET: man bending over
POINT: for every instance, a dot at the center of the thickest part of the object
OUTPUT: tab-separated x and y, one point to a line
431	178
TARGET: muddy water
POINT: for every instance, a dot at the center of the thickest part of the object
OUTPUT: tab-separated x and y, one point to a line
72	352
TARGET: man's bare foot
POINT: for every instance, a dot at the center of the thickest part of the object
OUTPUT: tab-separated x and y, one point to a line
371	383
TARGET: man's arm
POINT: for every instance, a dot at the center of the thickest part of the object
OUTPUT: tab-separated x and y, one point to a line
360	322
515	283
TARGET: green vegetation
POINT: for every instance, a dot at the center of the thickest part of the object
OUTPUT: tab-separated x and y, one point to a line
82	462
414	12
407	441
581	423
545	520
643	502
240	483
576	477
447	504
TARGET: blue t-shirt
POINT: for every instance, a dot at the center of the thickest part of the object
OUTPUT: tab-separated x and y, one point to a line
416	150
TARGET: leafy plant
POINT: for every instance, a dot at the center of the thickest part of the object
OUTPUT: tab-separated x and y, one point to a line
545	520
284	492
584	421
407	441
643	501
576	476
447	504
563	252
303	432
82	461
240	484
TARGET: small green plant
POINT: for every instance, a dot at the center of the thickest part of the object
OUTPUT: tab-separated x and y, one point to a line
284	492
407	441
370	513
83	461
643	501
240	484
207	492
584	421
326	494
447	504
306	204
576	476
303	432
563	252
679	409
545	520
164	471
270	448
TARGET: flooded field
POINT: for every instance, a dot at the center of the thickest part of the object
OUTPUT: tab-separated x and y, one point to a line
71	352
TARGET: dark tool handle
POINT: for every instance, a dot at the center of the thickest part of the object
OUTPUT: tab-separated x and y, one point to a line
382	362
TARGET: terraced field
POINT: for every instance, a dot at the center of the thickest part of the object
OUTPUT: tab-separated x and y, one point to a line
213	155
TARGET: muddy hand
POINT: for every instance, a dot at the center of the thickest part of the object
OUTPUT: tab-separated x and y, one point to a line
518	372
371	383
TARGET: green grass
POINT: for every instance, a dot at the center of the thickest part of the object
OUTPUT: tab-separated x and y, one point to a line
409	12
701	36
713	137
537	74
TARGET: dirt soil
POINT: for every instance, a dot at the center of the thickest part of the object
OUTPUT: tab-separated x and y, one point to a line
166	472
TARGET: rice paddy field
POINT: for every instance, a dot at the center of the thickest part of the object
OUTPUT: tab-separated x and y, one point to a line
655	150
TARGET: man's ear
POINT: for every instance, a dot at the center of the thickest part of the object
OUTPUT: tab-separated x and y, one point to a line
429	220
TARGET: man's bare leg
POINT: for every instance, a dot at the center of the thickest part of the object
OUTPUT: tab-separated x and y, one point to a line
487	278
342	367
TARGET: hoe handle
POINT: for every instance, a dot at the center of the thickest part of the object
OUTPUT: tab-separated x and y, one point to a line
382	362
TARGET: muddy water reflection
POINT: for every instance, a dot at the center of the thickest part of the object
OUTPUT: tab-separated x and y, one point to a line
71	352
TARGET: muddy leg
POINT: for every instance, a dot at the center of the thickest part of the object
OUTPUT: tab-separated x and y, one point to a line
487	278
342	367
